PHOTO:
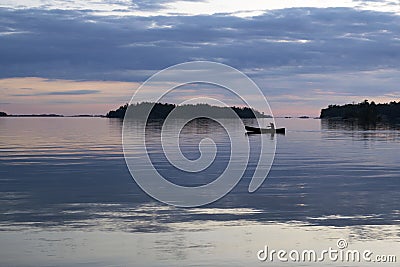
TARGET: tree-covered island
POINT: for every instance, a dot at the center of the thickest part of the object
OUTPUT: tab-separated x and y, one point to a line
161	110
364	112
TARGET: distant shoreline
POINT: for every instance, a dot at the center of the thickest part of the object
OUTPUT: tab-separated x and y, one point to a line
105	117
50	116
161	111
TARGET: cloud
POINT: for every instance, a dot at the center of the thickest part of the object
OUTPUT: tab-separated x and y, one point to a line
290	51
71	92
106	7
194	7
77	45
74	92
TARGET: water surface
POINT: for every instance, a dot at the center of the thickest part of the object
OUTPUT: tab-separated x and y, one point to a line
67	198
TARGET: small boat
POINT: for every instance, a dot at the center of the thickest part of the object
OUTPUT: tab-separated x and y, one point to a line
256	130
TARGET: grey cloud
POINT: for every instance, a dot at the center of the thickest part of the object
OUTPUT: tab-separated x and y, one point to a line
75	92
71	92
77	45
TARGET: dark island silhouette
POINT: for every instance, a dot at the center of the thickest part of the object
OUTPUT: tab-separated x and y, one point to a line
364	112
161	110
3	114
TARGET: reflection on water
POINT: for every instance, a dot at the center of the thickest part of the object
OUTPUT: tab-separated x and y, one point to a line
65	185
370	132
353	125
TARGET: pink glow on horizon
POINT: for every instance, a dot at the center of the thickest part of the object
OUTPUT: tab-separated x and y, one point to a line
34	95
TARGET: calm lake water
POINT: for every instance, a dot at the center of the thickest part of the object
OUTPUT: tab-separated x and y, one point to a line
67	198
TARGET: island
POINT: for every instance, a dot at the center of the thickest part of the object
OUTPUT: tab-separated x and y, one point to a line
161	110
3	114
364	112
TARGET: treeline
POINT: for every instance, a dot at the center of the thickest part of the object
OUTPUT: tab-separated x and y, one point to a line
3	114
161	111
364	112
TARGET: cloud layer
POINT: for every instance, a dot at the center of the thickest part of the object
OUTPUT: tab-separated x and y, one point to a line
72	44
293	54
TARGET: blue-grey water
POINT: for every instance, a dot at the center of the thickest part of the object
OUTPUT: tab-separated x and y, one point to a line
67	197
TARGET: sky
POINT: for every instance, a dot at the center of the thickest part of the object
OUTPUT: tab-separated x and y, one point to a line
87	57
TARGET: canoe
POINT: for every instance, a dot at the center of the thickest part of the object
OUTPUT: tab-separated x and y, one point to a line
265	130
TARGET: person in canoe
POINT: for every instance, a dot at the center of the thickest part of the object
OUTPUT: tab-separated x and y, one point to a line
272	126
